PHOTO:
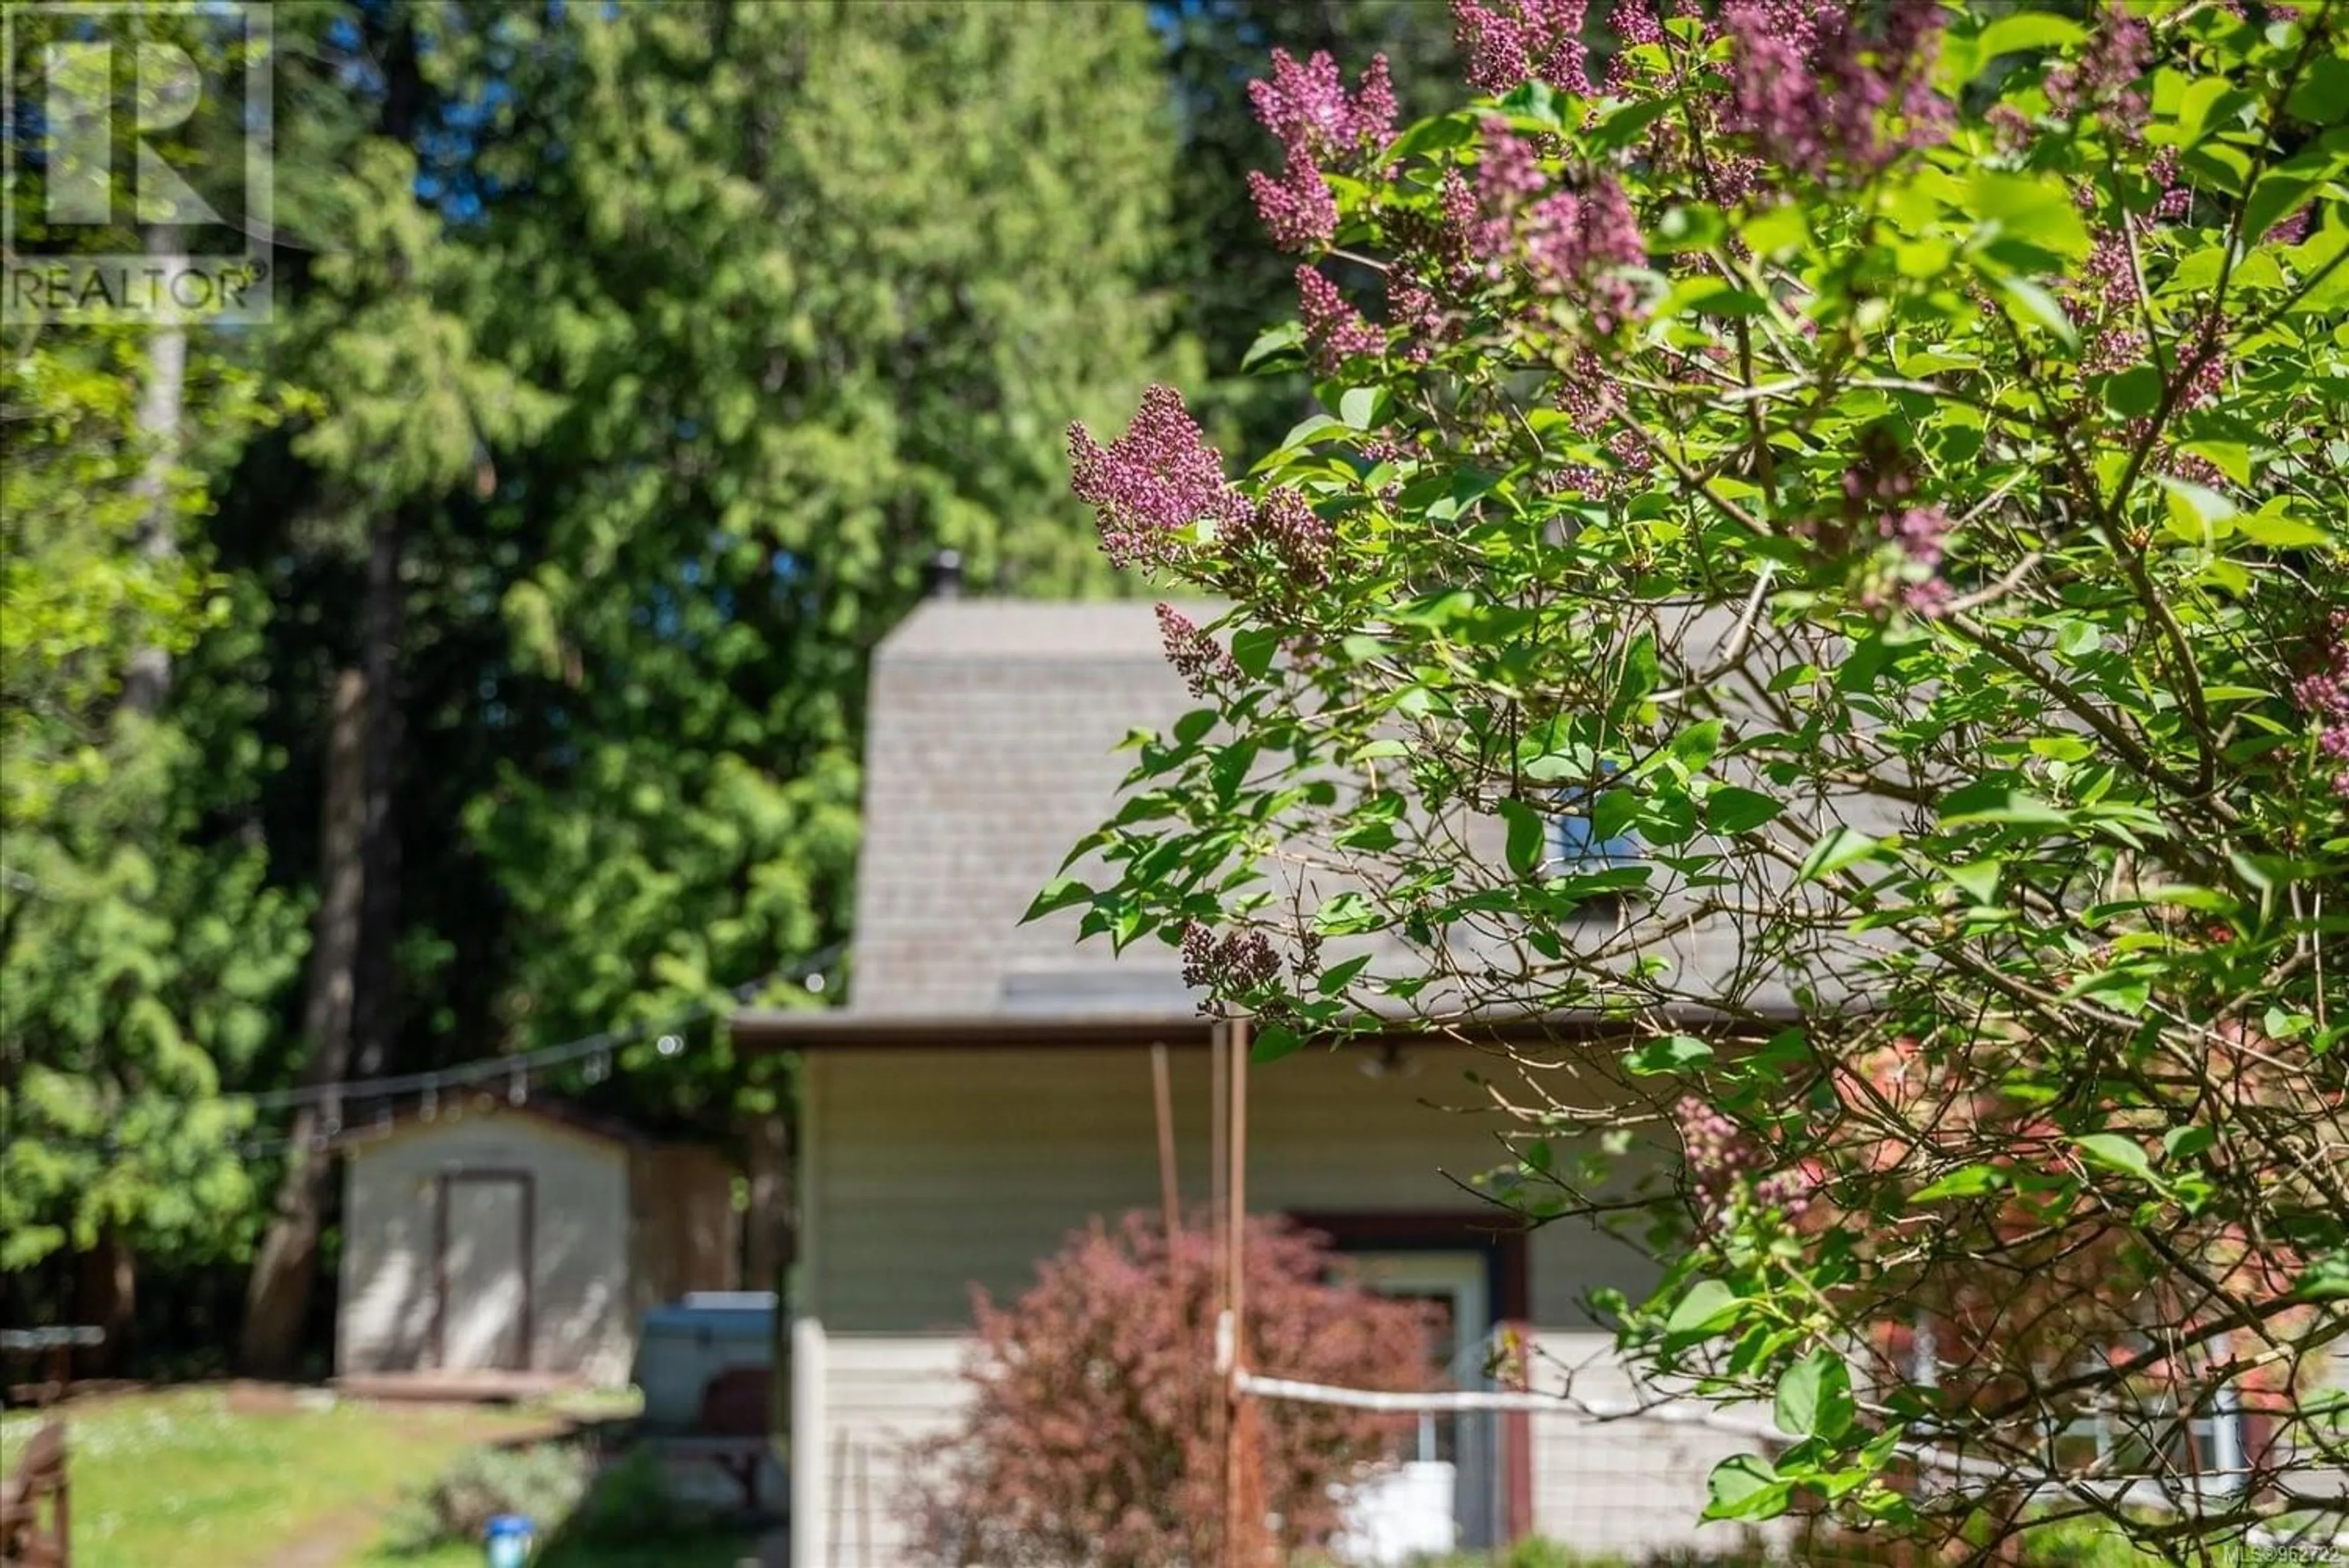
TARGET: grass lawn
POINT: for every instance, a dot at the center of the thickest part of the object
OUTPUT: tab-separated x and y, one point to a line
215	1478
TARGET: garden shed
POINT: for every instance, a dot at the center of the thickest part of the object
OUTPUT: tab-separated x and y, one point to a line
491	1240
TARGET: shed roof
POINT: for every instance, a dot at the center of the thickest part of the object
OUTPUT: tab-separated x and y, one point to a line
410	1119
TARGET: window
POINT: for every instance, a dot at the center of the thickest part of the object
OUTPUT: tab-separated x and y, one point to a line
2135	1435
2142	1435
1577	845
1591	835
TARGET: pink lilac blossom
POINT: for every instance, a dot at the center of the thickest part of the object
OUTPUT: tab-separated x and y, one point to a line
1572	243
1584	395
1451	247
1458	204
1240	962
2112	270
1813	90
1297	208
2105	77
2176	199
1198	658
1411	308
2109	298
1918	532
1579	243
1721	1159
2203	357
1727	177
1306	106
1286	523
1334	330
1695	145
1633	461
1386	452
1883	484
1587	398
2290	231
1511	42
1852	93
2323	695
1882	475
1634	23
1775	90
2011	129
2194	467
1508	177
1632	464
1153	482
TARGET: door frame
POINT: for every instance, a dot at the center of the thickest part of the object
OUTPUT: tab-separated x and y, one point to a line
1499	1237
528	1181
1508	1297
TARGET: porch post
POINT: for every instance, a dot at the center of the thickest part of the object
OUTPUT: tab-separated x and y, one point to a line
811	1486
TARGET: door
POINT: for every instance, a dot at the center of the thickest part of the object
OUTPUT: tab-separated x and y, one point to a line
1456	1287
484	1272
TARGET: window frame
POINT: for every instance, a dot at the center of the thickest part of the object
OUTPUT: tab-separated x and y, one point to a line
2219	1440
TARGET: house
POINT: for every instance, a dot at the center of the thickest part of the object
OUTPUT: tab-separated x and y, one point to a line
517	1244
989	1090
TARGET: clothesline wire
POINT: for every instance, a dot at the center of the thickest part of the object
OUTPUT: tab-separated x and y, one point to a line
493	1069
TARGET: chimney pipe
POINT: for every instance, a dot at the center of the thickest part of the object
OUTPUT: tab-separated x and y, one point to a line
942	575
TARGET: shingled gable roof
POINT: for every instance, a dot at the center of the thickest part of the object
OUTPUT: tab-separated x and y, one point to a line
993	749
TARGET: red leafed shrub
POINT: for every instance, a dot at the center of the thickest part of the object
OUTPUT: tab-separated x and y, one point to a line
1094	1432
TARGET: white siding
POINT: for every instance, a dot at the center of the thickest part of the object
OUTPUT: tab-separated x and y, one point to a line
930	1171
886	1395
1626	1487
579	1264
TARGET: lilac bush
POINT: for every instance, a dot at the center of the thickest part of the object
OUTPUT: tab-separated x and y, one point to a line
1885	463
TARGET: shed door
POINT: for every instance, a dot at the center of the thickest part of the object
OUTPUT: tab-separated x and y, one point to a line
485	1245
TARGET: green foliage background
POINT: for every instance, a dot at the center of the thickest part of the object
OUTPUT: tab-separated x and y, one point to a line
659	348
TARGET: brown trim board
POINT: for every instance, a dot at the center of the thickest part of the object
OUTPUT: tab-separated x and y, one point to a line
763	1030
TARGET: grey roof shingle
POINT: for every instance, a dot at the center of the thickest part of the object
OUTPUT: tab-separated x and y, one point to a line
992	751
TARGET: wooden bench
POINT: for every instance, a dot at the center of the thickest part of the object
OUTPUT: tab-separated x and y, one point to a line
58	1346
38	1477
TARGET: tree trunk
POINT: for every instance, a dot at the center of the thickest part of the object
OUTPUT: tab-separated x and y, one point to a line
349	1013
108	1298
277	1297
770	1245
375	996
110	1272
160	399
